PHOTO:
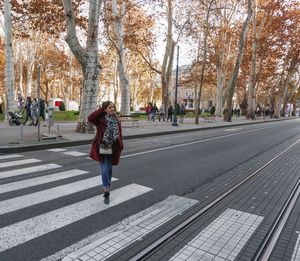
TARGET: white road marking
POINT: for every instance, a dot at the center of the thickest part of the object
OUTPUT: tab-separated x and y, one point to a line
164	138
18	162
11	156
223	239
29	229
27	200
175	136
40	180
56	150
233	129
17	172
129	230
75	153
190	143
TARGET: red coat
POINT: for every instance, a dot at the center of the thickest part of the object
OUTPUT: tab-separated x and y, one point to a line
98	119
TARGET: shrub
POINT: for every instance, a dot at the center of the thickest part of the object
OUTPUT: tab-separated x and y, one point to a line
205	114
62	106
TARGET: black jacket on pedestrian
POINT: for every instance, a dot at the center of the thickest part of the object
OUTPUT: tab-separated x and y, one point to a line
170	110
28	107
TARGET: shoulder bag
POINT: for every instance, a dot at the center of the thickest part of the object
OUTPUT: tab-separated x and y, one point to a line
105	149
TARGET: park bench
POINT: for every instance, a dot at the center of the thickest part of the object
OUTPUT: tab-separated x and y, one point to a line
132	118
209	118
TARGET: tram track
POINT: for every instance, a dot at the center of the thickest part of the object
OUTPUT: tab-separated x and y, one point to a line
269	241
265	250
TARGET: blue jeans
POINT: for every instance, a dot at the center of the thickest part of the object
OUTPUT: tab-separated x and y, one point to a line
106	171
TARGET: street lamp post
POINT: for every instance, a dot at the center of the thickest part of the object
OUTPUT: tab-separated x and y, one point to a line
39	102
174	123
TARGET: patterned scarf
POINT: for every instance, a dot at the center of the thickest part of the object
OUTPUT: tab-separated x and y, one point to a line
111	133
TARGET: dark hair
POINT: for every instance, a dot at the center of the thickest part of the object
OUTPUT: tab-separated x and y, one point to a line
106	104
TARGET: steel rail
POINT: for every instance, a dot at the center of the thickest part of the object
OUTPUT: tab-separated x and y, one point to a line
269	241
158	244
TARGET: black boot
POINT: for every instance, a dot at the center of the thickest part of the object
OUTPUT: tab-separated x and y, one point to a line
106	197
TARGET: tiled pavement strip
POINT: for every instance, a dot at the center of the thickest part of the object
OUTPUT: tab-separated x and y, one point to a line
263	196
213	241
255	196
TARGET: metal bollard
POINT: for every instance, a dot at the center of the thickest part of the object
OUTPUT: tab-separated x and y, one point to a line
21	134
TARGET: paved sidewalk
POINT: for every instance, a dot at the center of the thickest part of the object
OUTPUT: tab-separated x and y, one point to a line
10	137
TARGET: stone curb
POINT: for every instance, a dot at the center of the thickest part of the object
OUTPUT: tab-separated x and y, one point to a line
33	147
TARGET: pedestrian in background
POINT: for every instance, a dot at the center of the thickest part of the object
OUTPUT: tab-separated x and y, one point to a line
162	112
34	112
181	113
42	109
212	110
170	112
20	102
28	110
149	111
154	111
109	132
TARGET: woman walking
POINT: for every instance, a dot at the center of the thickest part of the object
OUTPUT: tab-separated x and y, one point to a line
109	135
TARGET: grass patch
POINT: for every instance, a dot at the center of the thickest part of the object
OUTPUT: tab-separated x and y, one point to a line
142	117
61	116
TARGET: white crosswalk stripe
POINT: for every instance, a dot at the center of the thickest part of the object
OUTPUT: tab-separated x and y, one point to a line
70	153
57	150
11	156
17	203
40	180
17	172
18	162
75	153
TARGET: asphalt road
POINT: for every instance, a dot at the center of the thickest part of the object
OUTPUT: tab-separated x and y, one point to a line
168	165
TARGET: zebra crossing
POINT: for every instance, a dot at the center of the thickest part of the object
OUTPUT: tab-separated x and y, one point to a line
22	231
